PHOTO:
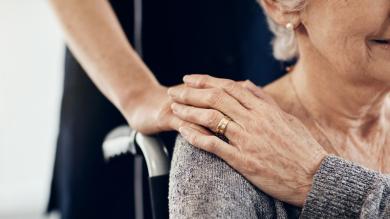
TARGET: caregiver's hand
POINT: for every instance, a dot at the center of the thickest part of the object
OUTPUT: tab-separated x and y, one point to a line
150	112
269	147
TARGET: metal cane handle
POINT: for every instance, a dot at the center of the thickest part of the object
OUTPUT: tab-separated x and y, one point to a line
124	140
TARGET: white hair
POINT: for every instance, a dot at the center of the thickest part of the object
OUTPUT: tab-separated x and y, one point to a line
284	44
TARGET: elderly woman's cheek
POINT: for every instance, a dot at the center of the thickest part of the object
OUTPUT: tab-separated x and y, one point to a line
356	55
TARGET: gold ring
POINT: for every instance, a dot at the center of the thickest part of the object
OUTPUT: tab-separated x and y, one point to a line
222	125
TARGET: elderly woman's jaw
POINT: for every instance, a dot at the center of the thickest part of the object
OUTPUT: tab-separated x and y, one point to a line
342	75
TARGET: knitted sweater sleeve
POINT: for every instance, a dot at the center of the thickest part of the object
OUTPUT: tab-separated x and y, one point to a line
342	189
203	186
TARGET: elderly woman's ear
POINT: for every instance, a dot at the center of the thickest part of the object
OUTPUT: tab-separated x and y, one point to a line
280	13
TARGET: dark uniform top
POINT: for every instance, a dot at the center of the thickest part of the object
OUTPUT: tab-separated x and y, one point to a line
224	38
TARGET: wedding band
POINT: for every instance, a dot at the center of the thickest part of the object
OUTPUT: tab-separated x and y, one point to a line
222	125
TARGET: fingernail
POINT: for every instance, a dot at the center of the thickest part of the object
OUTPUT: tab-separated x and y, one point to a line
187	79
174	107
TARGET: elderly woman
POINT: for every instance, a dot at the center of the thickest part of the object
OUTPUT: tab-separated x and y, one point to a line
338	90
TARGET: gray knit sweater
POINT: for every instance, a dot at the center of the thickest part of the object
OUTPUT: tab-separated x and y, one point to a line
203	186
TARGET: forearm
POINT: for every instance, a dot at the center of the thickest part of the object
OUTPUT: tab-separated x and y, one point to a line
96	38
343	189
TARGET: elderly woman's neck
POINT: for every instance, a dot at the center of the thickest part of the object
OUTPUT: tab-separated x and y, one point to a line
339	102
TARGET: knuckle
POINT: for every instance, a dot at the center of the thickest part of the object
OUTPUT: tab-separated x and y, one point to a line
212	145
212	119
246	84
240	140
192	139
184	96
191	116
202	81
255	124
230	85
214	97
185	111
289	118
235	133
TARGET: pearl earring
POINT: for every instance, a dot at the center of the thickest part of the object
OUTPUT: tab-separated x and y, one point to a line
290	26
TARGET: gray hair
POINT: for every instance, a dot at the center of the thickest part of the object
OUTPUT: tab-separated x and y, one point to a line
284	44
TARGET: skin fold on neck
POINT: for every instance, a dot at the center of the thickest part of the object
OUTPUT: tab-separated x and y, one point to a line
338	103
353	116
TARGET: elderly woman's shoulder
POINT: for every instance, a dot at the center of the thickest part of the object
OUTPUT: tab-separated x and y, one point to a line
202	185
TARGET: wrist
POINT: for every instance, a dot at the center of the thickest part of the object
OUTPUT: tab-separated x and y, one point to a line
314	165
135	97
317	158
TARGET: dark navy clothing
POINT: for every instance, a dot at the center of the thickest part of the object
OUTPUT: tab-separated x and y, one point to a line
224	38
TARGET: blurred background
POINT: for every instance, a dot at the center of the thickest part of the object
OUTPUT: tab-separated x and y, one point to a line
31	75
31	55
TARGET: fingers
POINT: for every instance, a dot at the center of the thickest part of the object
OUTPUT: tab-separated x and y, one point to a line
176	122
245	97
210	98
258	92
212	144
207	118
